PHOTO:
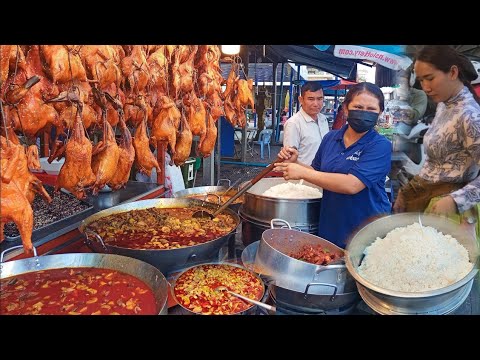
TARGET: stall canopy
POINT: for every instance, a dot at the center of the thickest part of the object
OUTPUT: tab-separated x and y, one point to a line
390	56
305	55
261	73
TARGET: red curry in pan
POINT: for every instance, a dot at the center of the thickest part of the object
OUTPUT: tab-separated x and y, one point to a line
195	289
161	228
75	291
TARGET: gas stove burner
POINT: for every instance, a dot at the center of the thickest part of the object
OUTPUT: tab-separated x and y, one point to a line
284	308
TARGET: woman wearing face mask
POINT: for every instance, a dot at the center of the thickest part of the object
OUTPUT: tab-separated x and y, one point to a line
448	183
351	165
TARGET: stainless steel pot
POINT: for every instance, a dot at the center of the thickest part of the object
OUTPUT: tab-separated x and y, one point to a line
206	190
167	260
250	311
303	301
298	212
252	228
434	302
141	270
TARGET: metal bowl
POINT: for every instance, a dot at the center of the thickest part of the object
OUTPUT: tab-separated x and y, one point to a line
166	260
139	269
388	302
249	311
302	213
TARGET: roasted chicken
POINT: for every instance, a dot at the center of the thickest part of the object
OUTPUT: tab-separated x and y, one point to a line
165	125
184	142
208	143
144	157
125	159
63	63
76	173
14	205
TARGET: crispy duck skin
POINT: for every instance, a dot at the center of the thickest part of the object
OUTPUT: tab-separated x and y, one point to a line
197	116
211	137
63	63
244	92
101	63
14	205
33	158
125	159
144	157
215	104
31	114
28	183
8	60
230	113
231	83
104	163
135	71
184	143
186	70
158	66
166	123
76	173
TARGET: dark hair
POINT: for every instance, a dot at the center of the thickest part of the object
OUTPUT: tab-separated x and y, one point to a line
368	88
443	57
311	86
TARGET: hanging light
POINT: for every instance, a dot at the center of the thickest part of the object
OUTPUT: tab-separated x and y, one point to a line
230	49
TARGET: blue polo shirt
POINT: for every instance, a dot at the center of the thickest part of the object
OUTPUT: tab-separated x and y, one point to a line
369	159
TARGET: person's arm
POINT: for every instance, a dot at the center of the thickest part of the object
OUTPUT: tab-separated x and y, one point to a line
418	102
373	165
469	195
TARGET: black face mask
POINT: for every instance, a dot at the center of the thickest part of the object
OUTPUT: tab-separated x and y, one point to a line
361	120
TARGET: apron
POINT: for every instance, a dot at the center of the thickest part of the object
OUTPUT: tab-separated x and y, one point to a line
420	195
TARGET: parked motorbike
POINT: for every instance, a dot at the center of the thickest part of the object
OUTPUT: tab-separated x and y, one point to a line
408	148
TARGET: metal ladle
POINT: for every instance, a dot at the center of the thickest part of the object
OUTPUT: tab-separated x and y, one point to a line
206	214
255	302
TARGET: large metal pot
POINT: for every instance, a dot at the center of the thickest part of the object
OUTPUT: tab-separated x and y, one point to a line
298	212
141	270
250	311
434	302
167	260
207	190
304	301
252	228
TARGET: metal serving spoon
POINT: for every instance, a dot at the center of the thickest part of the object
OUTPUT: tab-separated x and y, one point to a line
206	214
255	302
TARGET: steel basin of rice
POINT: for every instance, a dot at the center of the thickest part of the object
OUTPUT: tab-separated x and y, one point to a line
381	285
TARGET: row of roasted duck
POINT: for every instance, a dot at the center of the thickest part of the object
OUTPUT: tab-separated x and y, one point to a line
174	91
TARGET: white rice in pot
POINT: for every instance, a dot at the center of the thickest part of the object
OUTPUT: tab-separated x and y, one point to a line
291	190
411	260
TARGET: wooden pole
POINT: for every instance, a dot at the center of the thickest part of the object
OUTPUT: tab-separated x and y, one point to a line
46	142
161	148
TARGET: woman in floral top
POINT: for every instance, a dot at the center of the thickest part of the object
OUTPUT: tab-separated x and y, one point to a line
452	143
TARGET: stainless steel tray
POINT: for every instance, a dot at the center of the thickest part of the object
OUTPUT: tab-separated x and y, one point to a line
57	225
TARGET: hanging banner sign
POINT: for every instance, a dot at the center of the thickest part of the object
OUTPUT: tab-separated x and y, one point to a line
389	60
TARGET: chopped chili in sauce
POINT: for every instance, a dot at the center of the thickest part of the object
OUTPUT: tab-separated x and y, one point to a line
195	289
158	228
316	254
75	291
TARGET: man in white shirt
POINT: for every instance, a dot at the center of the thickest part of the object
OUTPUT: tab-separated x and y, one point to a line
306	128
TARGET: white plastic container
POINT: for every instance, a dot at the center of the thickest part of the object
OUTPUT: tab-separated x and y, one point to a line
54	167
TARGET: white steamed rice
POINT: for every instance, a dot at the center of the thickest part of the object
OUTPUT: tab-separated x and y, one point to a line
291	190
410	260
